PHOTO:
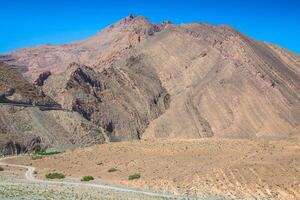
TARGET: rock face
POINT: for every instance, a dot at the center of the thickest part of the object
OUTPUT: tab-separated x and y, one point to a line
137	79
224	84
15	89
42	78
123	100
30	129
24	127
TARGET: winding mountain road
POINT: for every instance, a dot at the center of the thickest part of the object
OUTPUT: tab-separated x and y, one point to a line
29	175
41	107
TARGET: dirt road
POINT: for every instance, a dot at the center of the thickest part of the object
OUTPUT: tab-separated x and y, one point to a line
29	175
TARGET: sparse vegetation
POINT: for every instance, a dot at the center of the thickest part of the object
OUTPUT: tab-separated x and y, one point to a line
40	154
44	153
36	157
134	176
1	169
87	178
55	175
112	169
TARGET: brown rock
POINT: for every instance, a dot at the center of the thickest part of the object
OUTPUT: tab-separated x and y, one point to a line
221	83
42	78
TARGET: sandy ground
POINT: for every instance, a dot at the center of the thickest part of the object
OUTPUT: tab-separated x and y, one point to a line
13	186
239	169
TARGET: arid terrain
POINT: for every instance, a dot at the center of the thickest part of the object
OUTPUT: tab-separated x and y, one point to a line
236	169
14	186
194	109
135	79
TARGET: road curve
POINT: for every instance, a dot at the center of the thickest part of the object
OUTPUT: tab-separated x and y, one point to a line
30	177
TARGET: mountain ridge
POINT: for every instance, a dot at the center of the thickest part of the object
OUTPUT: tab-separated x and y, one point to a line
135	79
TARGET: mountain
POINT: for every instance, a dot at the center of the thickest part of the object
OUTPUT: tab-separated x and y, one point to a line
121	100
99	51
32	121
15	89
224	84
137	79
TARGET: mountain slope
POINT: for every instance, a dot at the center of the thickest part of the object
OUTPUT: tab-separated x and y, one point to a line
121	100
15	89
221	83
25	127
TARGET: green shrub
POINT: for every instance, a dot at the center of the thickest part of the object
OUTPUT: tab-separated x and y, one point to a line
55	175
44	153
112	169
40	154
36	157
134	176
1	169
87	178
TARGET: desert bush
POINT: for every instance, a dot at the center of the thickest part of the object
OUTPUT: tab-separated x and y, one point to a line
112	169
1	169
134	176
40	154
87	178
55	175
36	157
44	153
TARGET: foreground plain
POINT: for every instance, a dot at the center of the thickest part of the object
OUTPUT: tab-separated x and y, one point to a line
236	169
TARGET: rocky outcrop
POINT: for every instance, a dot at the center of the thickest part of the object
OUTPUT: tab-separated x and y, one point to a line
25	127
15	89
122	100
30	129
14	148
42	78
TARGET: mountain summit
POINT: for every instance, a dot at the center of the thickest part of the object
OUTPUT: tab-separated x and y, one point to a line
98	51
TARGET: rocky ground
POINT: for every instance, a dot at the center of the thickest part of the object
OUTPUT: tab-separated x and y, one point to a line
20	189
13	186
236	169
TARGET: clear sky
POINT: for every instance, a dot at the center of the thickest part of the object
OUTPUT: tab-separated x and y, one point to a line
33	22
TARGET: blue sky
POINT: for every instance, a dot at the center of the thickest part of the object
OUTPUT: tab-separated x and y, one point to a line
26	23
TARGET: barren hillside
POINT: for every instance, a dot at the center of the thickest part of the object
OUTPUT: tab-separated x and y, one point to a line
121	100
235	169
32	121
224	84
15	89
137	79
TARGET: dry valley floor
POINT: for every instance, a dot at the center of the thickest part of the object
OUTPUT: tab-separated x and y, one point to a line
237	169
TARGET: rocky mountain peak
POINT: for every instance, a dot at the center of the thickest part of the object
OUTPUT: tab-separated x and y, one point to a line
134	19
137	79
